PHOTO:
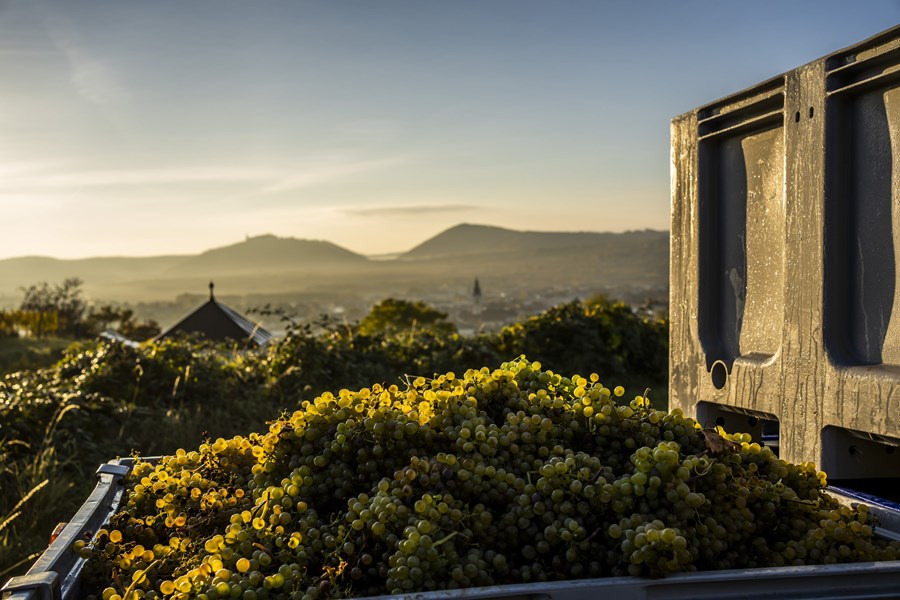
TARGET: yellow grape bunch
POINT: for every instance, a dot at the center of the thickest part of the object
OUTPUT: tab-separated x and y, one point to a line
508	475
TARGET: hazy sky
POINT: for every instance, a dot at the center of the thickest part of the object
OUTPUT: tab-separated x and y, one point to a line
136	127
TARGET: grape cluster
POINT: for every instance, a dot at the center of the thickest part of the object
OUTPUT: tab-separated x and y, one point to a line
501	476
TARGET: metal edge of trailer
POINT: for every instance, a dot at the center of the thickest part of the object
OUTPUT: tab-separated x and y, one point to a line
850	581
56	574
886	512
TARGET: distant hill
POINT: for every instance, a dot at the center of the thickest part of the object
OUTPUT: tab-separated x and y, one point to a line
27	270
527	264
266	254
115	278
467	240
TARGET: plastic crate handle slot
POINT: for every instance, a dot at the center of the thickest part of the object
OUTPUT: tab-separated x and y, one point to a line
113	469
36	586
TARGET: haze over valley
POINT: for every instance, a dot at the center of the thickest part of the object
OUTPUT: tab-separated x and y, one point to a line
519	272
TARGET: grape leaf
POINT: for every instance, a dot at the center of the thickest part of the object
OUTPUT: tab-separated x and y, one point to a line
716	443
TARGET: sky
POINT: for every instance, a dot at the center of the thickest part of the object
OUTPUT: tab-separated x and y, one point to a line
136	128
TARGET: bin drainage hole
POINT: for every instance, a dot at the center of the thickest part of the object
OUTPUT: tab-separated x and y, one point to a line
719	374
797	117
810	112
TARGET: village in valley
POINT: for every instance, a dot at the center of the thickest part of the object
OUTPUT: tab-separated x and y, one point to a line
482	278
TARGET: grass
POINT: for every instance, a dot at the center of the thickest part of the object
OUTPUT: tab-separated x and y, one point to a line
18	354
41	489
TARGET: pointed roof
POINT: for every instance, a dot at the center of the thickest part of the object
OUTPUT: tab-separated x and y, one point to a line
219	323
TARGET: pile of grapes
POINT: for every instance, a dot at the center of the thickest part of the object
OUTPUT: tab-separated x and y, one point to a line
505	476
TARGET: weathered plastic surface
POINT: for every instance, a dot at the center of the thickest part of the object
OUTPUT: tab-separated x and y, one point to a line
785	261
56	574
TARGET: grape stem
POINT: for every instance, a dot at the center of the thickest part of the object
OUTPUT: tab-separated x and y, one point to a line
135	580
444	539
799	501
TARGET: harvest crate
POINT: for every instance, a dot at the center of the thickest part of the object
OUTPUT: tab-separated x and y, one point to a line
785	262
56	574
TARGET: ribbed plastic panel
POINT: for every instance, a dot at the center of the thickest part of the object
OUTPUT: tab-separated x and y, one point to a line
785	272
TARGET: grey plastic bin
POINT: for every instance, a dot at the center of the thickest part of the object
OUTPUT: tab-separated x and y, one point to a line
785	261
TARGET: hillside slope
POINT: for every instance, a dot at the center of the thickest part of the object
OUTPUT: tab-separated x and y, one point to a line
467	239
266	254
516	262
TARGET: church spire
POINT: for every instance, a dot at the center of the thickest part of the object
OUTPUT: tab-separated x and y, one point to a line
211	296
476	297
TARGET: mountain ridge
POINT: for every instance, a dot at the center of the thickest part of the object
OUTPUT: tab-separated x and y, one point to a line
277	254
473	239
270	264
378	256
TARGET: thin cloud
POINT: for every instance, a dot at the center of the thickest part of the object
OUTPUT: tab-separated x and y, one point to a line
30	180
93	79
31	205
103	178
12	169
24	52
316	174
265	179
413	210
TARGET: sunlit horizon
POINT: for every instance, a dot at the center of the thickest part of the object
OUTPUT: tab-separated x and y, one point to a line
147	129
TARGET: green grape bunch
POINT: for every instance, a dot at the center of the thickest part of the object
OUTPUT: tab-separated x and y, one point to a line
510	475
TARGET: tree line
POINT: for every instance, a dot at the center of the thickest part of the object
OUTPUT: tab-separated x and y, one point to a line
60	309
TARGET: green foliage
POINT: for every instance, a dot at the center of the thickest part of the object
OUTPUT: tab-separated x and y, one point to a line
64	300
13	554
17	354
163	374
602	337
393	317
9	324
60	309
121	320
36	323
